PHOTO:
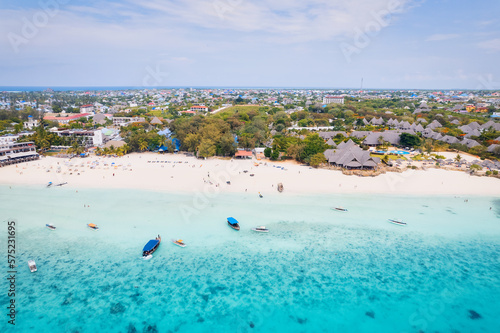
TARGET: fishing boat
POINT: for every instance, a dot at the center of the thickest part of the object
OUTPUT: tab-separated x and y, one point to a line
179	242
260	229
50	227
280	187
397	222
151	247
233	223
32	266
93	226
50	184
339	209
260	195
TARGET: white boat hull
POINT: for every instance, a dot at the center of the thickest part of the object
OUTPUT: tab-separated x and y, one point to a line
257	230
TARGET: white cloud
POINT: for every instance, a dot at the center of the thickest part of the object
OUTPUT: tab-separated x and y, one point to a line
441	37
492	45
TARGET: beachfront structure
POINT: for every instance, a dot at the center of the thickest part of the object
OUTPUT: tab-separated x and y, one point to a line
349	155
31	123
243	154
333	99
89	138
124	121
12	153
197	108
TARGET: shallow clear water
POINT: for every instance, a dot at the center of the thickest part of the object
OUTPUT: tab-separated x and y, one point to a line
317	270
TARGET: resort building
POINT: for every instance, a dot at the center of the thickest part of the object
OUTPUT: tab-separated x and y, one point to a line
31	123
12	153
124	121
197	108
349	155
89	138
333	99
86	108
65	118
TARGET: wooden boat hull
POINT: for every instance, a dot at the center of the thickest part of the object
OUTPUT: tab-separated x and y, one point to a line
234	226
153	250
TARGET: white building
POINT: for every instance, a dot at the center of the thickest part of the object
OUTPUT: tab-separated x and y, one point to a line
31	123
91	138
333	99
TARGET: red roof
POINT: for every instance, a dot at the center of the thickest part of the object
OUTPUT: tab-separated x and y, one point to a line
86	106
76	116
199	107
243	153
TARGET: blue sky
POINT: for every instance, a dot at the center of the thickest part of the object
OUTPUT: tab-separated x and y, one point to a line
404	44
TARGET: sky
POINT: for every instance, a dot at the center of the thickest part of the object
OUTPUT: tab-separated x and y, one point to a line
386	44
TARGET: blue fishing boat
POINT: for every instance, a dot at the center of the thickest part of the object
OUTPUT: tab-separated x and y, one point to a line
233	223
151	247
50	227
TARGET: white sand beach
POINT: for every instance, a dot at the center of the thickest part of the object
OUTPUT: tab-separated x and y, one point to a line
180	173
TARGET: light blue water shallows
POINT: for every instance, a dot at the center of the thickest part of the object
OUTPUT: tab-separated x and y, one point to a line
317	270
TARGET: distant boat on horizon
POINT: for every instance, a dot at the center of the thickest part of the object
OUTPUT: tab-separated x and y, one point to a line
397	222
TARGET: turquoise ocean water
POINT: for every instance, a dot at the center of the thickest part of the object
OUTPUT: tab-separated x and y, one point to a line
317	270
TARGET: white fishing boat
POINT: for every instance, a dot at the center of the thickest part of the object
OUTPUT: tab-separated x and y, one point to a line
179	242
397	222
260	229
32	266
339	209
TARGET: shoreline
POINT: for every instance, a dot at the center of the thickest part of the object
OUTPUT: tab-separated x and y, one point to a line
183	174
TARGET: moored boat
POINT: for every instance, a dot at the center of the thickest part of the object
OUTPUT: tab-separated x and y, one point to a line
397	222
151	247
50	227
93	226
179	242
233	223
32	266
339	209
260	229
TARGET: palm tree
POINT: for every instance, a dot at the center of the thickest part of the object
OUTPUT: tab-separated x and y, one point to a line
143	145
458	158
